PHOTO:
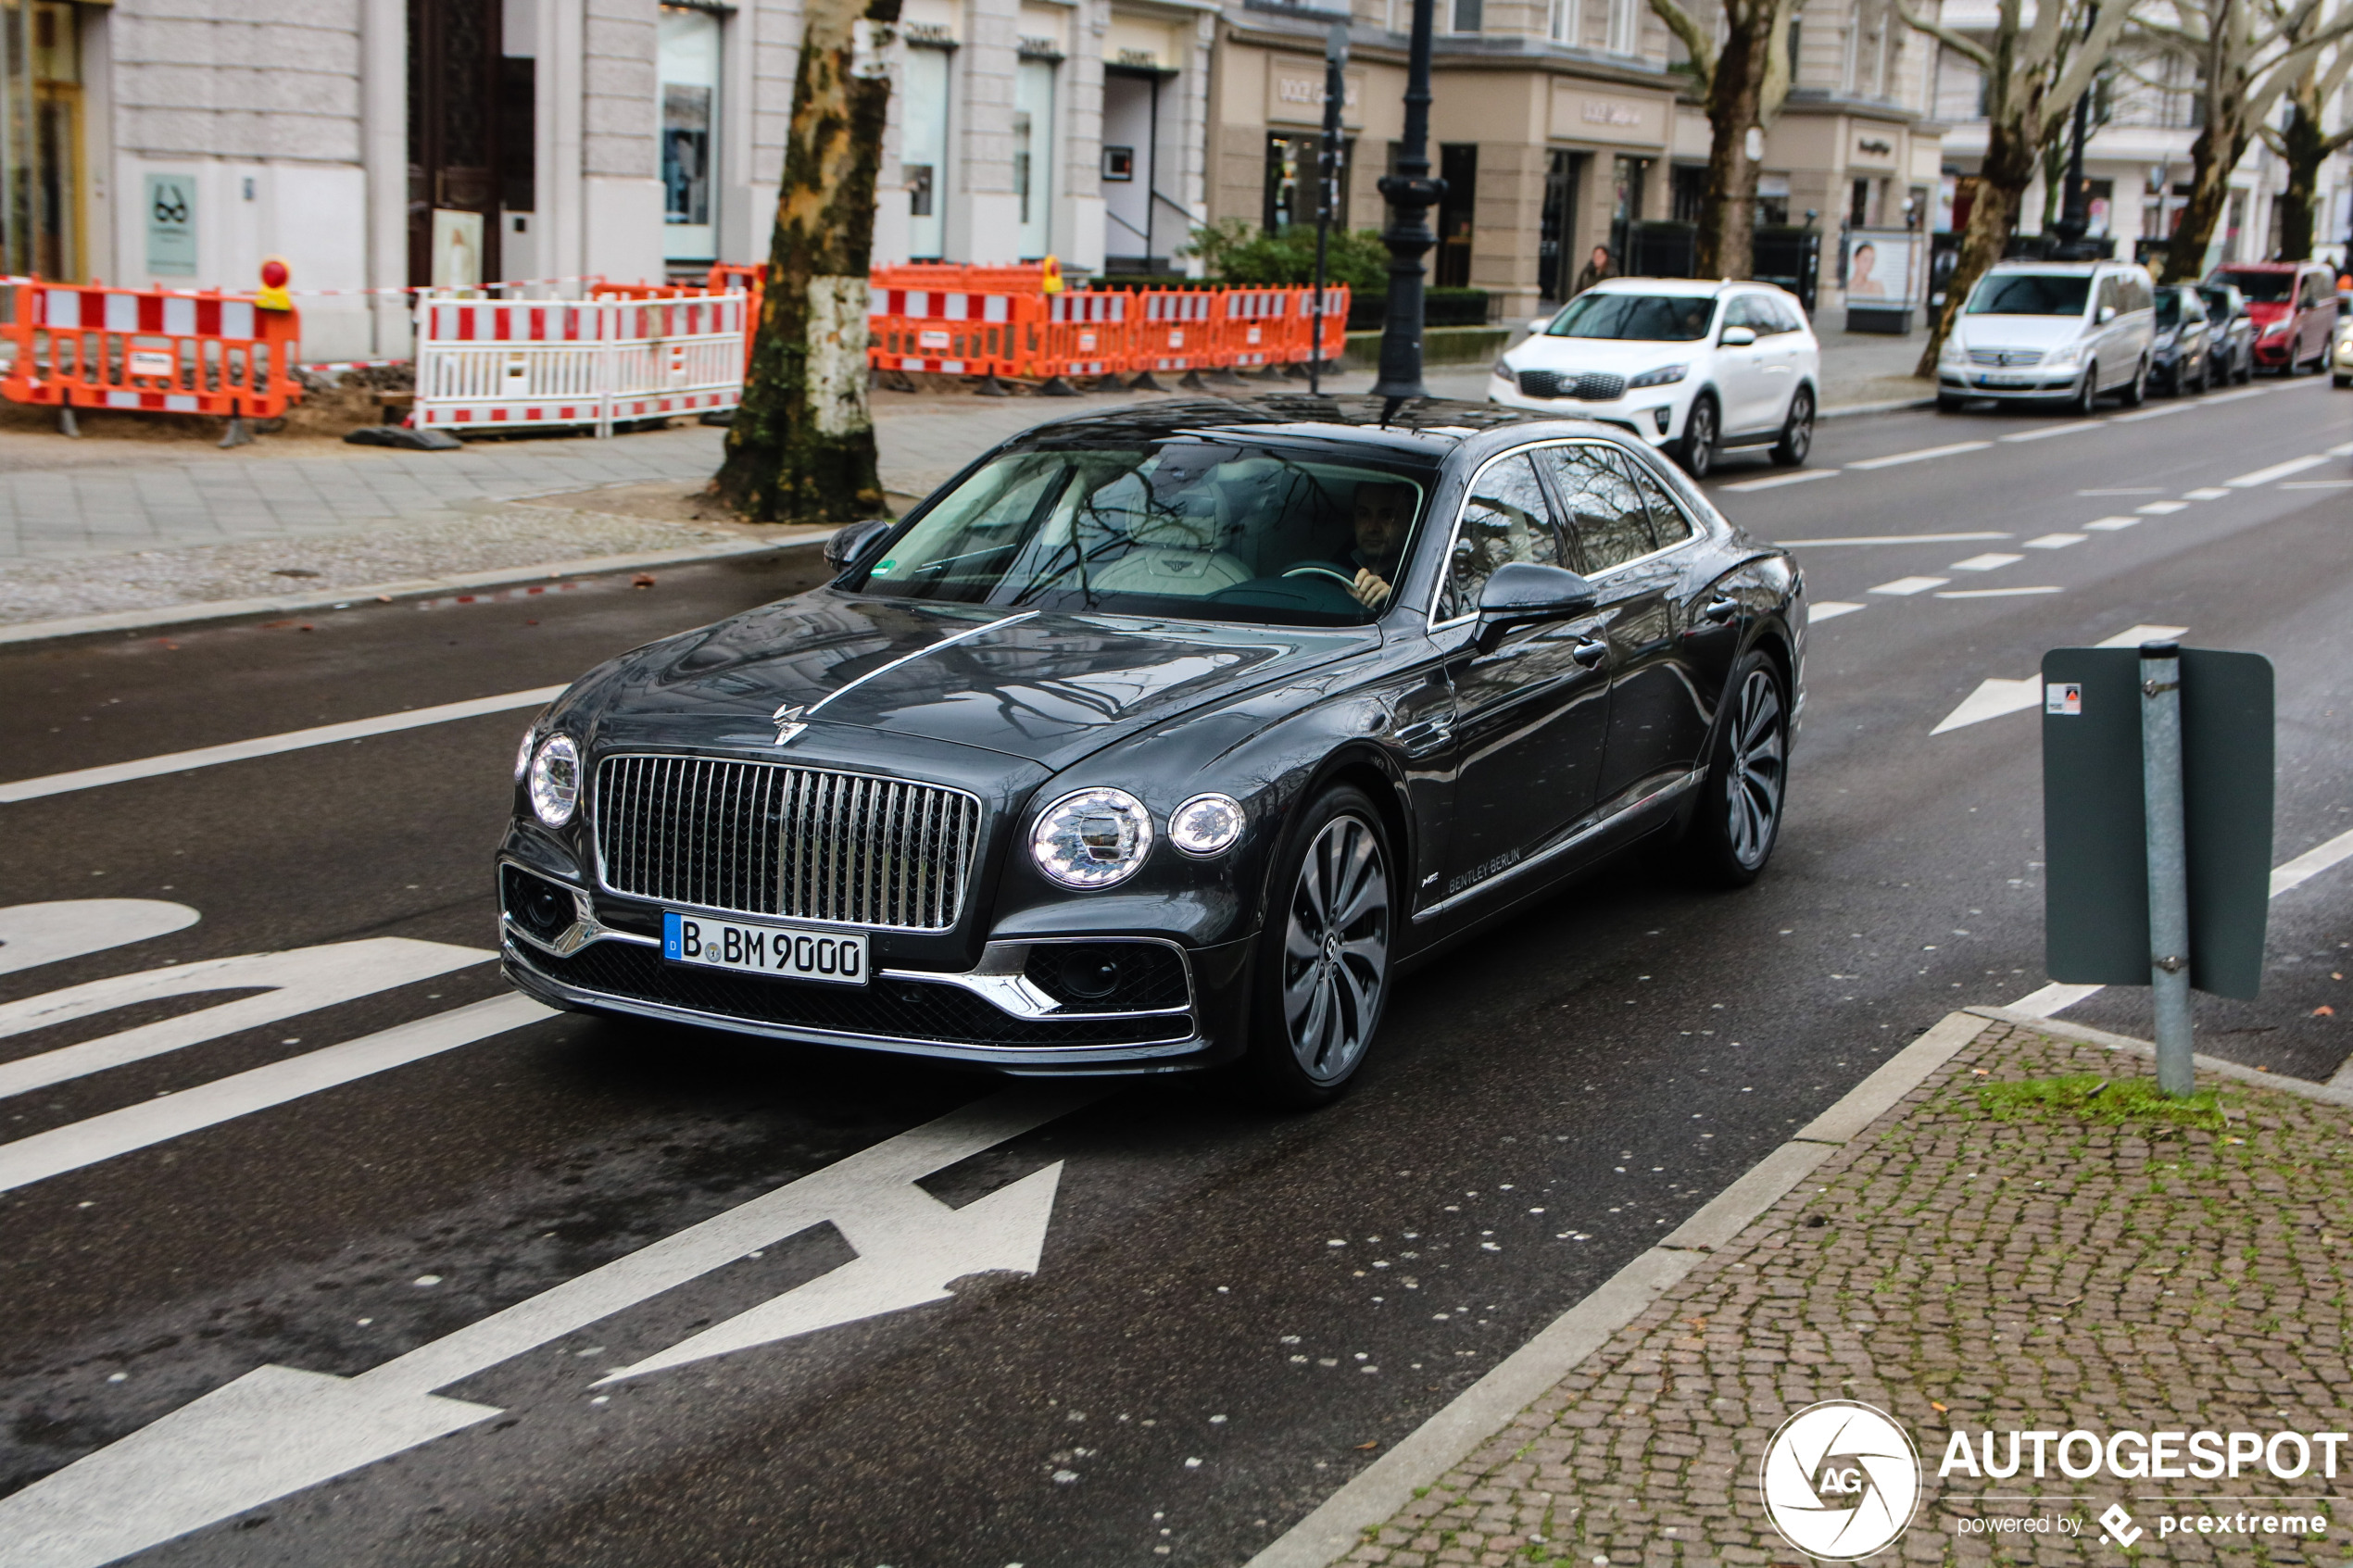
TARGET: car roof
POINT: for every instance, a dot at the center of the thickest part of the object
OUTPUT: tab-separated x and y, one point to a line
2064	268
1694	288
1426	429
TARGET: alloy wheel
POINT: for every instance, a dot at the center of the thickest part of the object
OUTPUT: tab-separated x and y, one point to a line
1336	949
1797	436
1699	439
1752	791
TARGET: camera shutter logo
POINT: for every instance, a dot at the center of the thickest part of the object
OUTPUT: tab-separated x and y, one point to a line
1841	1480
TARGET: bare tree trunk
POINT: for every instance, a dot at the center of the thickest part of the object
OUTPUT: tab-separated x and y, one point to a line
2007	170
2216	152
2304	149
1728	220
802	446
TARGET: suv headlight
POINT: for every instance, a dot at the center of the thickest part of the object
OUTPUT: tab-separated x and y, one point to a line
1666	375
555	781
1503	369
1093	838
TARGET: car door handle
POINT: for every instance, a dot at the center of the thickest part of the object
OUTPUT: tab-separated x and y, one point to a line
1590	653
1720	611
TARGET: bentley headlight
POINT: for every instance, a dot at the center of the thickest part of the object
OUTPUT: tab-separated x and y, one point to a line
555	780
1093	838
1666	375
1207	824
522	753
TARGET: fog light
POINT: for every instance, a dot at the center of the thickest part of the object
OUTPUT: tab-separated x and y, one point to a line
1089	973
1664	416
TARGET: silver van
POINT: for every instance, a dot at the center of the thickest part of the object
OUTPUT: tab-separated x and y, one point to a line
2070	331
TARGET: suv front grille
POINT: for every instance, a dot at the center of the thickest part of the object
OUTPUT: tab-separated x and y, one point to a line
1591	387
767	838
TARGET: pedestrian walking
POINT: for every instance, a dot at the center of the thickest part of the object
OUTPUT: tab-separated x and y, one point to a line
1594	270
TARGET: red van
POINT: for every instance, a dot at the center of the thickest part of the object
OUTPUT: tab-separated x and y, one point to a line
2293	304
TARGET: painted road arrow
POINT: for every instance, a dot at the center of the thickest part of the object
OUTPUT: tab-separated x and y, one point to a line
278	1430
1998	696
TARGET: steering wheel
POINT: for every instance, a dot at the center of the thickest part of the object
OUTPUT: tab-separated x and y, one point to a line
1318	569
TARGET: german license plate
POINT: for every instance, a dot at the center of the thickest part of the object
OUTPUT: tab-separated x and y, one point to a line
2004	380
837	957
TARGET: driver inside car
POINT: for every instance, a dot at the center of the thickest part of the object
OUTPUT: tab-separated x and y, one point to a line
1383	512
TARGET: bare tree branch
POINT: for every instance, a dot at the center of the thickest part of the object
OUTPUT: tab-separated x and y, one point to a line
1698	42
1968	48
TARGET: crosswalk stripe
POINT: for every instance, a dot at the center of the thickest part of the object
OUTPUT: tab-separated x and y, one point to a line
270	746
155	1121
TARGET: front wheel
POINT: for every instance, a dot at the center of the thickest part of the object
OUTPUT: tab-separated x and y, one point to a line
2087	393
1797	432
1697	450
1323	970
2136	391
1738	820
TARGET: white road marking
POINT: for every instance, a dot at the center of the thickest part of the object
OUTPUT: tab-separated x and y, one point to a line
2127	490
2162	508
1993	560
1922	455
156	1120
1996	592
277	1430
2276	472
1829	610
2112	524
298	980
1992	698
2055	541
1904	586
2204	493
2162	411
2318	484
1775	481
32	934
2133	636
270	746
1892	539
2050	1001
2049	430
2342	449
2237	396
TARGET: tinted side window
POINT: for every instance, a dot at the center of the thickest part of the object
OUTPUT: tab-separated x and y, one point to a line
1669	525
1741	312
1786	312
1505	519
1603	507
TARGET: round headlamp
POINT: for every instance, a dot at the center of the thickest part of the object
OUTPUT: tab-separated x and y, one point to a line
555	780
1093	838
1207	824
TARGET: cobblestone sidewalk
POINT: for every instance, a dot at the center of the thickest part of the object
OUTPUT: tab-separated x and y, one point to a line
1958	1270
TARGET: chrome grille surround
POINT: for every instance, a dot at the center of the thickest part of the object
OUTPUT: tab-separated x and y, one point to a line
2002	356
794	843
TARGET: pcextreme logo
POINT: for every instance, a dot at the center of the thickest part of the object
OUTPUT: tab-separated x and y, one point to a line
1841	1480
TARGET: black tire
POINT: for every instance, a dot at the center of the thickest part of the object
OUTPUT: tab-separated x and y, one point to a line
1797	431
2136	391
2247	367
2206	374
2341	383
1703	429
1319	986
2087	393
1738	818
1948	403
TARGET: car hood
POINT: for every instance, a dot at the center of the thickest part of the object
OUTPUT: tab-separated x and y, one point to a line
1618	356
2263	312
1048	688
2020	332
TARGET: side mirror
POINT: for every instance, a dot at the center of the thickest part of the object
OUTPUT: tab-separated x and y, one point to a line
853	540
1521	592
2107	314
1737	337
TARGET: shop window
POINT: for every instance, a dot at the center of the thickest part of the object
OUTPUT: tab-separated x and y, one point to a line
923	152
1566	25
1552	276
1292	162
1466	16
687	55
1458	165
1688	192
1033	154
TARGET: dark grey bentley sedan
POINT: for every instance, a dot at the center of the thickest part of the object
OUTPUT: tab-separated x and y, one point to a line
1165	738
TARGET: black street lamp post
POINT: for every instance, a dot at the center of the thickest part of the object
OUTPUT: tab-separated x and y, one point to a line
1328	177
2075	212
1412	193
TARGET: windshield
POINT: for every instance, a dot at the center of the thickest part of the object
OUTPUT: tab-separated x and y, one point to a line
2218	302
1191	527
2265	288
2169	309
2031	293
1646	318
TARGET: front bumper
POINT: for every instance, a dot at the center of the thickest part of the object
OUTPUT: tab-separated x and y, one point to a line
1655	413
986	1016
2025	384
2273	353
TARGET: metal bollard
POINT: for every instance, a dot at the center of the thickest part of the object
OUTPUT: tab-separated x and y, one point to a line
2167	863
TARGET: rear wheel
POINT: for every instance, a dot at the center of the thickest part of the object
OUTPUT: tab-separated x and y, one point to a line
1797	432
1323	968
1738	820
1697	452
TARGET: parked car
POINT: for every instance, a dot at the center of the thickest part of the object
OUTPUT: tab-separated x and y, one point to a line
2180	359
1693	368
2341	356
2037	331
1163	738
2294	306
2230	332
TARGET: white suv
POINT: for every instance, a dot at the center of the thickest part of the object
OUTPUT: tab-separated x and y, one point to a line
1692	367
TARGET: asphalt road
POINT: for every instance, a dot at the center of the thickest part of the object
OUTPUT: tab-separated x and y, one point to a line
1232	1311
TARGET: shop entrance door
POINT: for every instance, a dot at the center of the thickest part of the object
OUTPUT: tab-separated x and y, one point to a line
1131	125
454	69
1553	274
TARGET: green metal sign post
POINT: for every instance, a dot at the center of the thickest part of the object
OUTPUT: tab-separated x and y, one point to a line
2156	826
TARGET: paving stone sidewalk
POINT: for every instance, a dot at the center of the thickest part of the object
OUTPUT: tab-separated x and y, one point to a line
1957	1270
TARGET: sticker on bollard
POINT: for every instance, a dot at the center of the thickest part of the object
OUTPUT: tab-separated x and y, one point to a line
2096	824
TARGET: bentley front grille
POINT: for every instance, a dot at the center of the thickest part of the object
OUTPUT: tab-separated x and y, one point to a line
766	838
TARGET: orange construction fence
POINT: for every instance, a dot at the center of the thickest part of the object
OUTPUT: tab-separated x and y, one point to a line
170	350
1009	321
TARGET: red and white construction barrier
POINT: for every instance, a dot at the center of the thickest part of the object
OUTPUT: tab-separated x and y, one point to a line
485	364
